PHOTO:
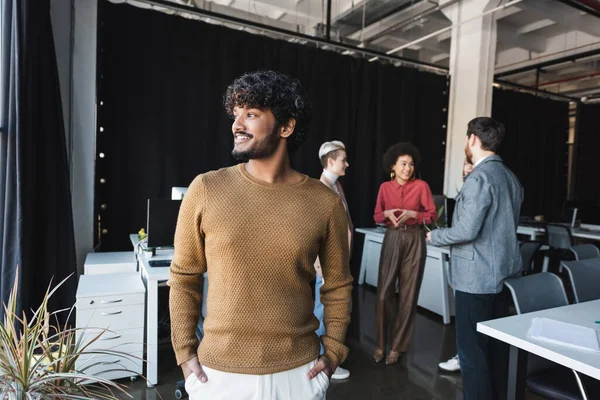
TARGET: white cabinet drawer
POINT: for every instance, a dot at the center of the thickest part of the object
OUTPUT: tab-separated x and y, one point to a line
114	318
128	341
90	303
110	366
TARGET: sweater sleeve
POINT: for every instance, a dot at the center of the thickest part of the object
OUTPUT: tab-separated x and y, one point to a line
336	291
187	267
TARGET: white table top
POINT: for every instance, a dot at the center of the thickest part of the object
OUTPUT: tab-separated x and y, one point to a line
586	233
513	330
381	231
525	229
109	285
114	257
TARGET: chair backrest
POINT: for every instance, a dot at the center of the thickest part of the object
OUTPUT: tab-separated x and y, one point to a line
528	250
537	292
585	278
559	236
585	251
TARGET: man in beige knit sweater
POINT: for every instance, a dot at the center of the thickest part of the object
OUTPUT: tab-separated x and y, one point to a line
256	229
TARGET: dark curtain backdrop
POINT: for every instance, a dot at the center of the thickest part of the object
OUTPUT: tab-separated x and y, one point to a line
535	148
36	225
162	122
587	186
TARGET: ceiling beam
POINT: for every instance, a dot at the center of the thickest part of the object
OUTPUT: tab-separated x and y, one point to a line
303	11
250	16
507	34
507	12
543	23
439	57
572	89
428	44
564	15
392	21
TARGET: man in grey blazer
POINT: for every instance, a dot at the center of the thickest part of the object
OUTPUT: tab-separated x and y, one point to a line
485	251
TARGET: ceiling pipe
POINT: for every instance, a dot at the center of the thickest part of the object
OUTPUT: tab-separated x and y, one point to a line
570	79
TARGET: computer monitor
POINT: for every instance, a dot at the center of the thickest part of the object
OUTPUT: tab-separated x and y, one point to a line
177	192
450	205
440	201
162	220
569	215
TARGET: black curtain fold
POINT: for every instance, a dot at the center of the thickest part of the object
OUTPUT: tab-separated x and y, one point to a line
161	84
587	188
36	224
535	148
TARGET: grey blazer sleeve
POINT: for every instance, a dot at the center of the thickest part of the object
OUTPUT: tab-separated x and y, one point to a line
475	200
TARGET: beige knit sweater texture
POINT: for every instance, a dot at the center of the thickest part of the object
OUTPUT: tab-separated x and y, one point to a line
258	242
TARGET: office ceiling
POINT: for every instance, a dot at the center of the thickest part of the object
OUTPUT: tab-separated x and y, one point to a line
552	45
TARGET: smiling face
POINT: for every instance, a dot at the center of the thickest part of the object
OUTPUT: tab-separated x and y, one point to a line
255	133
404	169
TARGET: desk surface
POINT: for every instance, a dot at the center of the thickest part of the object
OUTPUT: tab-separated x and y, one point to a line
153	273
513	330
586	233
381	231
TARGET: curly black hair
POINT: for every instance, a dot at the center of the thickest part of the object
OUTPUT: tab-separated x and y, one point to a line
277	92
400	149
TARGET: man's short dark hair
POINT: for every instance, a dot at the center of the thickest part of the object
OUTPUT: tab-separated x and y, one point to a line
277	92
398	150
489	131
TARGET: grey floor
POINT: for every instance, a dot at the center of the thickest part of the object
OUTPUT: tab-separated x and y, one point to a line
416	376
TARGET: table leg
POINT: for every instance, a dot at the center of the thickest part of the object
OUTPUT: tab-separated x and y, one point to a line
363	264
445	300
152	334
517	374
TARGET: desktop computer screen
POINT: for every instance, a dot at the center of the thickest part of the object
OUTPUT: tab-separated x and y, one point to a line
450	205
177	192
162	220
445	219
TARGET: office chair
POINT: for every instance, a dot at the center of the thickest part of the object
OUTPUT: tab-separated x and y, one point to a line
585	278
561	245
528	253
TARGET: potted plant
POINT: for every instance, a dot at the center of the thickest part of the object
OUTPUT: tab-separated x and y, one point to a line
37	357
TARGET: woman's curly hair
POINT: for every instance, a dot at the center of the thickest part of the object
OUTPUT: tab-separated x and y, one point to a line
400	149
277	92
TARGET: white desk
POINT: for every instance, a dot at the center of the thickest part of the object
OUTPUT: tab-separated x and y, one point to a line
532	231
435	294
513	330
153	277
586	233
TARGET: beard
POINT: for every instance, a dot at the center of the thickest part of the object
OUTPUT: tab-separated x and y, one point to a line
468	154
259	149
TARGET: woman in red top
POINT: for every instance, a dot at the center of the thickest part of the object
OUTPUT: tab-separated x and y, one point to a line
403	204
